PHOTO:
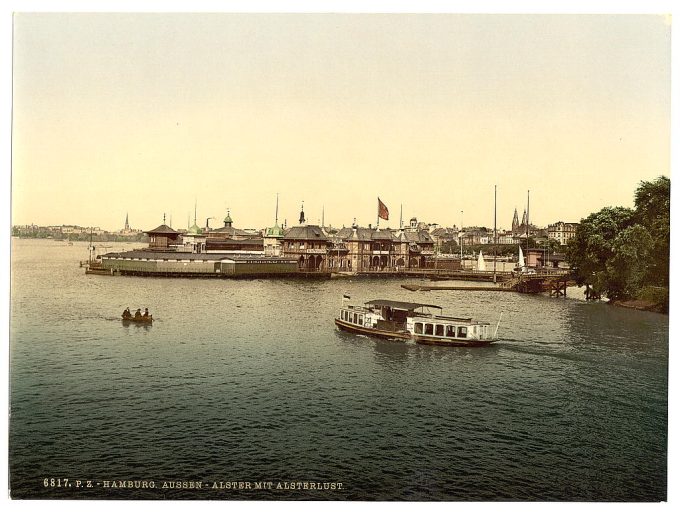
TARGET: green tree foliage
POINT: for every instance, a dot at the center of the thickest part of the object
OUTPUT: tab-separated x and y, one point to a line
619	251
592	247
653	211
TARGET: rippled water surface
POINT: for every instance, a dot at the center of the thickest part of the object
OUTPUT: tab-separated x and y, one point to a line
250	381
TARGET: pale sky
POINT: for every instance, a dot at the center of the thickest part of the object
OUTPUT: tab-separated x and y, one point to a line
147	113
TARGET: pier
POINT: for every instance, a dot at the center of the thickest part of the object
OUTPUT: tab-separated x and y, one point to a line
553	281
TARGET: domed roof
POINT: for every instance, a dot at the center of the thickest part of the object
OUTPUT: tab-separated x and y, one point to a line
228	218
275	231
194	230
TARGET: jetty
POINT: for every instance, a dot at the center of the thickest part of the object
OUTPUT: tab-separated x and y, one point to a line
554	281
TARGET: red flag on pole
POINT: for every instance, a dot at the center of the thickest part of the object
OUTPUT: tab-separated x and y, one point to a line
383	213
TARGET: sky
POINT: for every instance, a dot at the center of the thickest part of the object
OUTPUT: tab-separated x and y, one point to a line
151	114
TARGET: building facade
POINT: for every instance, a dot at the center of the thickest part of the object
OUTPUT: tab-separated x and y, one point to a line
309	245
562	232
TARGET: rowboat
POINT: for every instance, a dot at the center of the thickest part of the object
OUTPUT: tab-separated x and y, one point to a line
138	320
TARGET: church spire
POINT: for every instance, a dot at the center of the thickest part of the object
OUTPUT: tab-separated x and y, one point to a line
127	224
302	213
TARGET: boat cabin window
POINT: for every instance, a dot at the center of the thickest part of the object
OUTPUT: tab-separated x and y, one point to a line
355	318
419	328
361	320
428	329
462	331
439	330
451	331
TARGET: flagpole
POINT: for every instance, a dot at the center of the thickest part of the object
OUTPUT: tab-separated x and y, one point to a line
377	222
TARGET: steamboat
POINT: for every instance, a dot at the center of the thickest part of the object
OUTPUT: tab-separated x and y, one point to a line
422	323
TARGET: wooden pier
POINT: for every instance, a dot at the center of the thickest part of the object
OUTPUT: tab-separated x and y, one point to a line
435	274
553	282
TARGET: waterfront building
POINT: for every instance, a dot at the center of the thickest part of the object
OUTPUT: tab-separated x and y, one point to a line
228	231
562	232
338	252
542	257
194	239
171	253
273	240
235	246
354	249
420	248
163	238
308	245
173	263
371	249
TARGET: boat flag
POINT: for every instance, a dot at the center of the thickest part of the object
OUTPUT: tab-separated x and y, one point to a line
345	296
383	213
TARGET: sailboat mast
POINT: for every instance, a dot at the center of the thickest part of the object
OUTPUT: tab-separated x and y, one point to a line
495	238
527	221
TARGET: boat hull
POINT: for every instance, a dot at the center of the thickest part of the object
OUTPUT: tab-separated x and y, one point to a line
434	341
148	320
372	332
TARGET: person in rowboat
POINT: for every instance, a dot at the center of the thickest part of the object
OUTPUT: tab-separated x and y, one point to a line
146	313
138	313
126	313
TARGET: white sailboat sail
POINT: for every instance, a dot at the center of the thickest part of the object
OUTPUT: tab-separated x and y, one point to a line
481	266
520	262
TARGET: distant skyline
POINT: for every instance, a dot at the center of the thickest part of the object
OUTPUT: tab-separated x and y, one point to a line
144	114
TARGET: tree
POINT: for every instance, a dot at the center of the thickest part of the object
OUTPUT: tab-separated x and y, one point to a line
592	247
627	269
619	251
653	211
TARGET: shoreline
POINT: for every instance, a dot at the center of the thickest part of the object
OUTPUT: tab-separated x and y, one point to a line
639	304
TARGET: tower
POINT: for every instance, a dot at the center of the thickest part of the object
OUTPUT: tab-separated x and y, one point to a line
127	224
515	222
302	213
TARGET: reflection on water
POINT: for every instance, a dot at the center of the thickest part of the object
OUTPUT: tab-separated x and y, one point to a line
250	380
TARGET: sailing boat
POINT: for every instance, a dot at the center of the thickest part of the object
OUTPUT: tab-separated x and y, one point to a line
481	266
520	262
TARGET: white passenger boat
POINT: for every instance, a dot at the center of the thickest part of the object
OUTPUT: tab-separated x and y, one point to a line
420	322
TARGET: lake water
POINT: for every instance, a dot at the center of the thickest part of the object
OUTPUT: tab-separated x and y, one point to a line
249	381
